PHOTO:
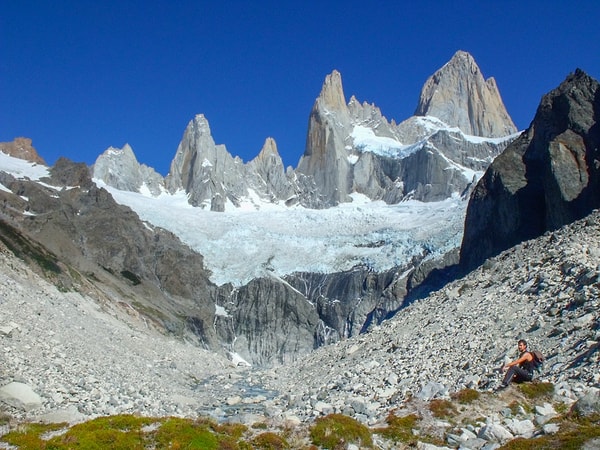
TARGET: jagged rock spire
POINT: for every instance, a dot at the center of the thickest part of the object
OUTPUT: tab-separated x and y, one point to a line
332	93
325	157
458	95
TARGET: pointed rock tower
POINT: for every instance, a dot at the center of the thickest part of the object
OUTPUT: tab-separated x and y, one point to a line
548	177
267	173
205	170
213	178
458	95
325	157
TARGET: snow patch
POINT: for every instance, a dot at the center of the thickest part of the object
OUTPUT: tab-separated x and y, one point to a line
22	169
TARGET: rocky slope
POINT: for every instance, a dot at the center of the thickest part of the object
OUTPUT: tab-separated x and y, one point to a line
545	291
547	178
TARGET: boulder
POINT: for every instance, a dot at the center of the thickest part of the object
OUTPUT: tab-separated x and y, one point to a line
588	404
20	395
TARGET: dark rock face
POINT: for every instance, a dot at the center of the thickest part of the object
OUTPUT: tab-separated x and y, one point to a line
548	177
103	248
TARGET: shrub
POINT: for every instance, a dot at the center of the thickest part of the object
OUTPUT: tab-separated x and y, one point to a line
27	436
335	431
116	432
269	441
442	408
178	433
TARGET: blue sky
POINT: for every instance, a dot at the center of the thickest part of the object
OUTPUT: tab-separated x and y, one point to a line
80	76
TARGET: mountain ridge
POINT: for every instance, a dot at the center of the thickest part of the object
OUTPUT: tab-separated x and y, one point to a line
335	165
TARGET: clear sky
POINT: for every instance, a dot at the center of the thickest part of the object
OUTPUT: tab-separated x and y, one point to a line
80	76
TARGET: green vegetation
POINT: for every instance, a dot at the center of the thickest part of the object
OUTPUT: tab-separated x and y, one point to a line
536	390
270	441
399	429
336	431
466	396
131	432
28	436
573	434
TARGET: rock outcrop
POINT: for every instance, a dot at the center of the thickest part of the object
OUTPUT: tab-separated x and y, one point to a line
548	177
21	148
325	156
458	95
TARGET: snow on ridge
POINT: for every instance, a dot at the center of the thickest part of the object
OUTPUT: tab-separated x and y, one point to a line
265	239
366	141
433	124
21	169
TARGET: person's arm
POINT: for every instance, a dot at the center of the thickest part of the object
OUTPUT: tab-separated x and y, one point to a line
526	357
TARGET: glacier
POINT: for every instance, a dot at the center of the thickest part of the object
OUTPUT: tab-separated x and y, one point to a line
241	244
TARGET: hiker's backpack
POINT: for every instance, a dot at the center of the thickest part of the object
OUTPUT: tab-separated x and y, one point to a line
538	359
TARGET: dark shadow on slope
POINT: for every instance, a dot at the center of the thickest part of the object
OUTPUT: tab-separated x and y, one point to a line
435	280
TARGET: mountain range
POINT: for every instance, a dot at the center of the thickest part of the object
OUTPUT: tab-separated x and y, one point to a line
65	221
459	126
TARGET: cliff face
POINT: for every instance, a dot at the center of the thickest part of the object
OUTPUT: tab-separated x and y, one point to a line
548	177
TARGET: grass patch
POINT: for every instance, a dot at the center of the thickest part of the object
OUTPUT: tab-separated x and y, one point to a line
536	390
399	429
573	434
28	436
177	433
466	396
269	441
442	409
115	432
336	431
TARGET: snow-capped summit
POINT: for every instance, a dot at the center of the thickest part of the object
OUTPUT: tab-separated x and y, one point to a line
435	154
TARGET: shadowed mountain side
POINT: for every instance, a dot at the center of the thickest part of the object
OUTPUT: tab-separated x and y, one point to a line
548	177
